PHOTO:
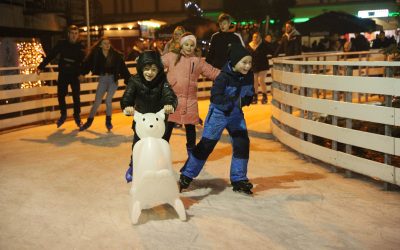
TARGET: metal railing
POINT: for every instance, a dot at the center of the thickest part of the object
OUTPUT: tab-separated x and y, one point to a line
338	108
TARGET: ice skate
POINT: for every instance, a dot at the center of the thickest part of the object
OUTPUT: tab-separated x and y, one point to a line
184	182
255	98
264	99
61	120
242	187
129	173
109	125
87	124
78	121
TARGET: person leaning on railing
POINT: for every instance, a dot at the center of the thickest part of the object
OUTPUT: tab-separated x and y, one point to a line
71	53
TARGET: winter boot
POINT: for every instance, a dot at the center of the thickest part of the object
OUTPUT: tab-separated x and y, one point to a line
78	121
87	124
109	126
264	99
254	99
61	120
129	173
184	182
242	186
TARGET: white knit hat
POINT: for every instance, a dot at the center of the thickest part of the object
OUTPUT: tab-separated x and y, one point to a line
186	37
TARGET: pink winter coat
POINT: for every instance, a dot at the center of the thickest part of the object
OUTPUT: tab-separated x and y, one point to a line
183	78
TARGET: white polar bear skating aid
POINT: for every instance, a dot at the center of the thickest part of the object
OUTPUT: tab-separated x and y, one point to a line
154	179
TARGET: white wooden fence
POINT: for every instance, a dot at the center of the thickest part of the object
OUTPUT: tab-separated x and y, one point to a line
325	104
21	106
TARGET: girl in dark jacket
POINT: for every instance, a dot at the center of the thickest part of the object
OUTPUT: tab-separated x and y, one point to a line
148	92
104	61
259	51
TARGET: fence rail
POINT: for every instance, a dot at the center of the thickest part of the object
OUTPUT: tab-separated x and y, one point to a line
338	108
21	106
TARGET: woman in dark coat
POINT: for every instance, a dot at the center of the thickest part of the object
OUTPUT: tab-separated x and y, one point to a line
103	60
259	51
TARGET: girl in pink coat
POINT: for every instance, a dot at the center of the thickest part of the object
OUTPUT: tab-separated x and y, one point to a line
184	70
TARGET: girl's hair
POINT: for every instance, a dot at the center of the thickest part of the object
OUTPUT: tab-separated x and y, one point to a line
96	47
98	43
179	28
178	58
224	16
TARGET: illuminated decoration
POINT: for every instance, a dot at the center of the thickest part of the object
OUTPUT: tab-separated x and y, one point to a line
192	5
150	24
271	21
300	19
391	14
30	55
373	13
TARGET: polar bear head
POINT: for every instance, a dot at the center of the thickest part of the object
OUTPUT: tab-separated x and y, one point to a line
150	124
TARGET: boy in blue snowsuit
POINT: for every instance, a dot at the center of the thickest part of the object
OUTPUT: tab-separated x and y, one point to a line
232	89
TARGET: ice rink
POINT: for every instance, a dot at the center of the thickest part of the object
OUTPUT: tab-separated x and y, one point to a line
65	189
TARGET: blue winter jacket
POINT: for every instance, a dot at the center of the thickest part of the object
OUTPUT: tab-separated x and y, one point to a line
232	89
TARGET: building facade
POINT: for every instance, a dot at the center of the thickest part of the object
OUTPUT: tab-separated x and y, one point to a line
170	11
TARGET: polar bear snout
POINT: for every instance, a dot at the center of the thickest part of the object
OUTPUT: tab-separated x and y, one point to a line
149	125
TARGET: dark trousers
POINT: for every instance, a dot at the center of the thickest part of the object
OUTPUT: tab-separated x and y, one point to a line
62	90
190	134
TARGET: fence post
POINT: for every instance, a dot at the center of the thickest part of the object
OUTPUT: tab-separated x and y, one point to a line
309	93
349	122
303	70
388	103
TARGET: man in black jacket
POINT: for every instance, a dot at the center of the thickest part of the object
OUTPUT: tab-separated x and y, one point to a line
217	54
71	54
290	43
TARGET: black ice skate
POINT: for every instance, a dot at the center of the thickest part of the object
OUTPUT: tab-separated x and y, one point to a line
255	99
78	121
87	124
264	99
242	187
61	120
184	182
109	125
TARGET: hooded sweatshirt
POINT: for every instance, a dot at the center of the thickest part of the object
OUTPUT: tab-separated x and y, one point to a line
148	96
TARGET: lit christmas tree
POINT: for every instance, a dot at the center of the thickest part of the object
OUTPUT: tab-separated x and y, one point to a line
30	55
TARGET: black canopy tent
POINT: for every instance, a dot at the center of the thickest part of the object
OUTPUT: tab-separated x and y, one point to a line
337	23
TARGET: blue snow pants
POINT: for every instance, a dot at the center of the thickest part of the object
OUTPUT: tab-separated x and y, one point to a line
215	124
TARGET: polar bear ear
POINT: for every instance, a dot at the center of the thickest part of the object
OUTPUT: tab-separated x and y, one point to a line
137	116
161	113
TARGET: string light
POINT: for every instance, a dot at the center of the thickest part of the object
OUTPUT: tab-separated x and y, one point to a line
191	4
30	55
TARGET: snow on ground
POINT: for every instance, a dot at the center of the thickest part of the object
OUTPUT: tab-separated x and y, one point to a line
64	189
